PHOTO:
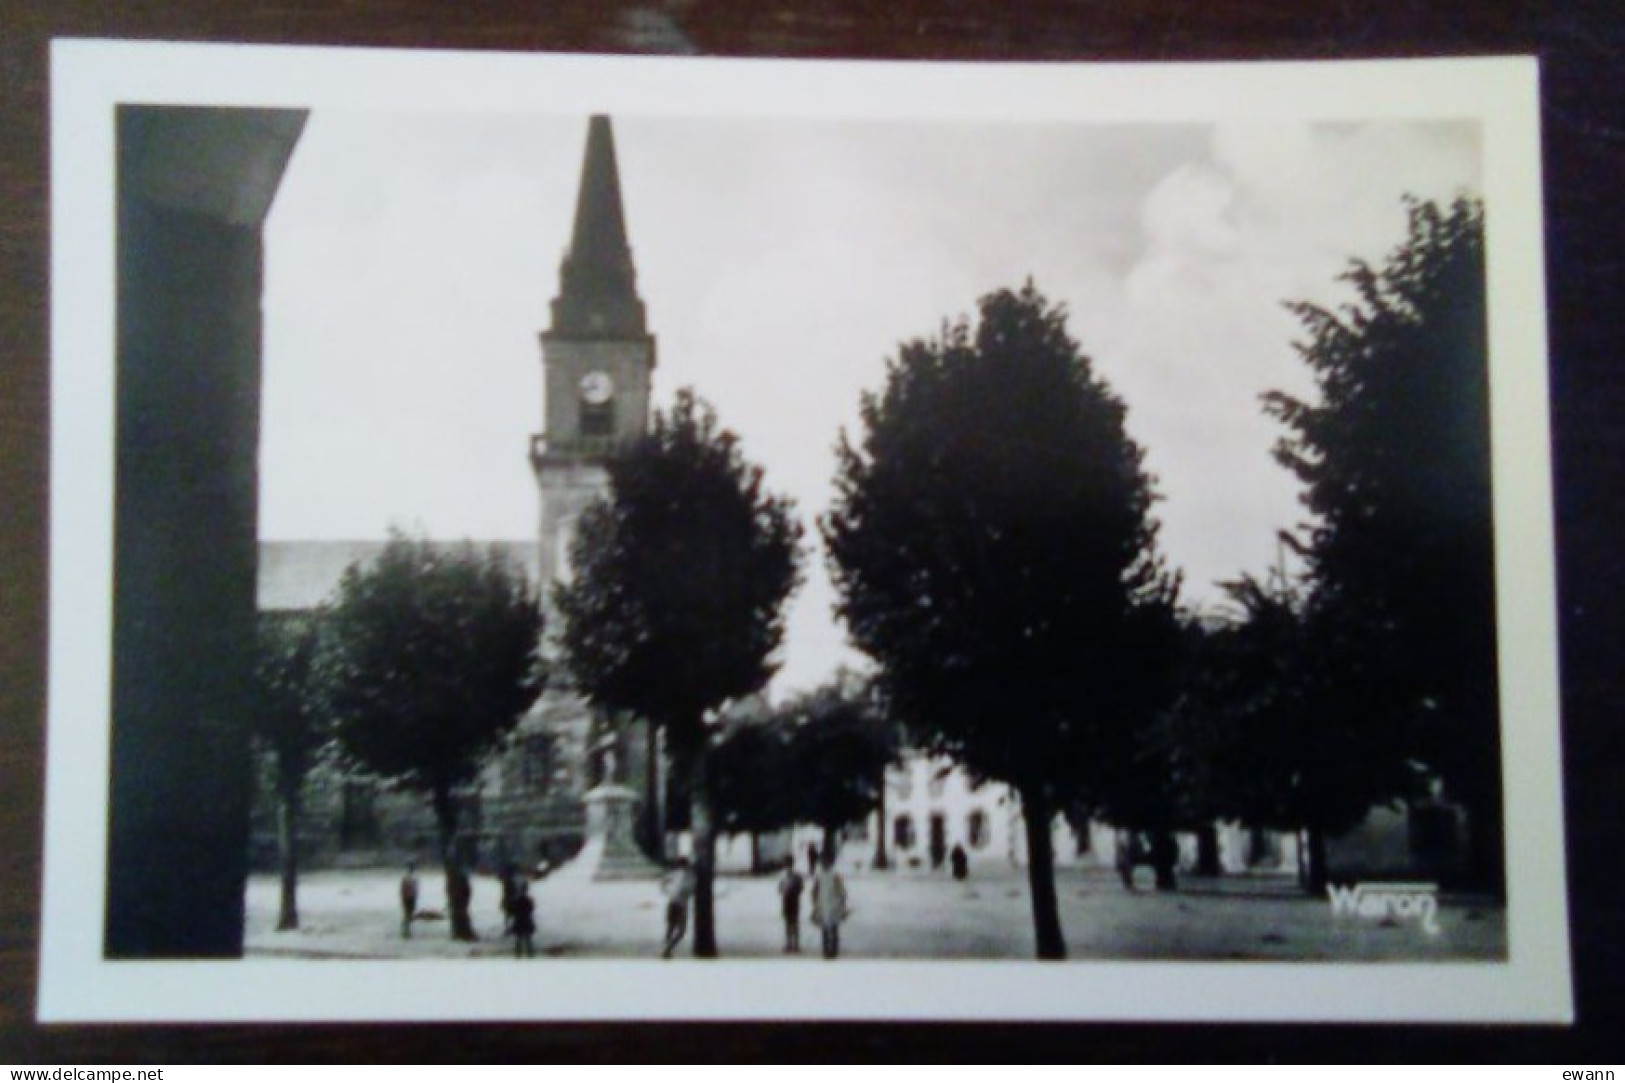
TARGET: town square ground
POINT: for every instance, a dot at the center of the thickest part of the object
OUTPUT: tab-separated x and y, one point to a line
355	914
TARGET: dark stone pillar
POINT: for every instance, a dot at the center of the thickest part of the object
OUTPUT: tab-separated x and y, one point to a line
193	189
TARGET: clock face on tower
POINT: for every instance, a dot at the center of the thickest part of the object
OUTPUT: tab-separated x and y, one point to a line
596	388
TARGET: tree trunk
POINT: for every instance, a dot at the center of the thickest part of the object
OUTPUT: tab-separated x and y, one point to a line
881	860
1164	859
287	838
703	830
654	821
1207	851
831	845
457	886
1036	813
1315	866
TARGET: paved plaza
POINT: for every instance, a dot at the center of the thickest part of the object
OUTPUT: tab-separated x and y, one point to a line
355	915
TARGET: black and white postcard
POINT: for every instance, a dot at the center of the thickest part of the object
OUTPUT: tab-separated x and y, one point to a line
586	538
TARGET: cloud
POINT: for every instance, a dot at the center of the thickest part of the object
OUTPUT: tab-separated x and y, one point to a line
1270	213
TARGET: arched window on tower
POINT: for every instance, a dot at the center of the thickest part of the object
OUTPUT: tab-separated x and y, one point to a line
598	419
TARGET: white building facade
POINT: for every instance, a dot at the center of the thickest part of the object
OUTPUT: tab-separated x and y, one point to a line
932	806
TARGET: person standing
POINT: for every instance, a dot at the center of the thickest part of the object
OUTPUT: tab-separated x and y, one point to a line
523	922
512	885
790	885
829	907
409	899
459	890
679	889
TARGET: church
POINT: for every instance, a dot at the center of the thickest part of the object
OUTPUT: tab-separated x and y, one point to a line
531	804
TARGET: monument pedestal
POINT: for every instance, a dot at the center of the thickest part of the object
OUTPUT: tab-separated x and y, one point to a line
610	851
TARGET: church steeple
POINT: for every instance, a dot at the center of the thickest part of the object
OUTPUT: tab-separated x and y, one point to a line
598	357
598	296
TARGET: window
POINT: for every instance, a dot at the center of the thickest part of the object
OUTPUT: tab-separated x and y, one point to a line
903	833
976	830
536	761
598	419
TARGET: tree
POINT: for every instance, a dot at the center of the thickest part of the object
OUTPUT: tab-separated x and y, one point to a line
751	774
841	746
1394	457
820	759
676	602
1152	787
290	719
1272	740
431	659
1148	787
994	550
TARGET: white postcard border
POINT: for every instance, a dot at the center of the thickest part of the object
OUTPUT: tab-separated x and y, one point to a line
88	78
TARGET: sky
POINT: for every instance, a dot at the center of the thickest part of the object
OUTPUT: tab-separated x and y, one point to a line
410	260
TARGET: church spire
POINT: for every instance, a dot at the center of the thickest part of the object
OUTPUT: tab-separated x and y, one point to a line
598	296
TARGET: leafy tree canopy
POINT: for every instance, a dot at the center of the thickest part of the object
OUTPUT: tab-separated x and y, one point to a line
1269	738
1394	456
680	578
993	545
820	758
753	775
432	660
1157	775
841	746
290	714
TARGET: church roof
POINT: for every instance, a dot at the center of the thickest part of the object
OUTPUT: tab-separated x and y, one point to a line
301	575
598	296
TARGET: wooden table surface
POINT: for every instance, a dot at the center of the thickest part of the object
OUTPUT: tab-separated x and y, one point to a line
1582	46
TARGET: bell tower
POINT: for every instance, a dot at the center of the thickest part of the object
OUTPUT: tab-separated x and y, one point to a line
597	357
597	361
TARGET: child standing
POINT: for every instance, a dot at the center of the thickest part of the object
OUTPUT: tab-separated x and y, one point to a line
679	888
523	922
409	899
